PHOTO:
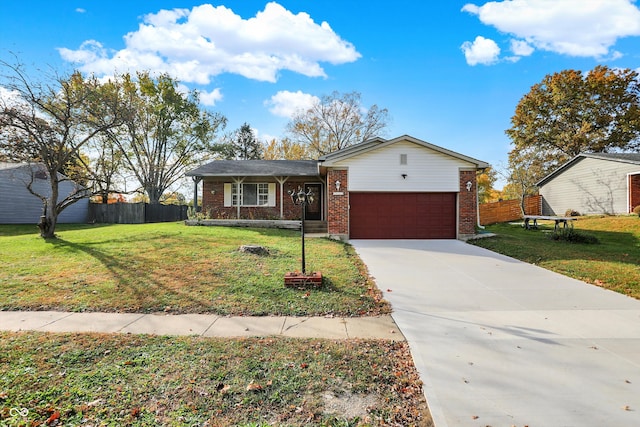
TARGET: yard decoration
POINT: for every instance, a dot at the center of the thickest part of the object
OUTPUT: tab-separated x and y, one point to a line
302	279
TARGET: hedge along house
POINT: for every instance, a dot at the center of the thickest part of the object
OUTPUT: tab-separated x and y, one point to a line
402	188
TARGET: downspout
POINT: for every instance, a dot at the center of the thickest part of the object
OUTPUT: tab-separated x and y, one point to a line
481	227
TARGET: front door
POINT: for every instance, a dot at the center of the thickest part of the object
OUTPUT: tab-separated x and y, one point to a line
314	209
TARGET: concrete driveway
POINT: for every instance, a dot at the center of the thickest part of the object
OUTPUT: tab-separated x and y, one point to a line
499	342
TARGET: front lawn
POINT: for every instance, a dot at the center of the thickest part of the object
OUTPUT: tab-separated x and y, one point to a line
174	268
118	380
613	263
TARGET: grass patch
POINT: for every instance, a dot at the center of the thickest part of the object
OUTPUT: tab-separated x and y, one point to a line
175	268
612	263
106	379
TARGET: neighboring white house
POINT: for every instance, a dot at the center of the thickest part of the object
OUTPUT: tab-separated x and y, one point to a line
594	183
19	206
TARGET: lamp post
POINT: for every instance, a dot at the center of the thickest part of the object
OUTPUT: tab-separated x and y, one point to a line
303	199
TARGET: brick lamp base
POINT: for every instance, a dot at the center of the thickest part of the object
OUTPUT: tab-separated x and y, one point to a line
299	280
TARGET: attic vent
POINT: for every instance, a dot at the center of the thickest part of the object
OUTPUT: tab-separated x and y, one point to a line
403	159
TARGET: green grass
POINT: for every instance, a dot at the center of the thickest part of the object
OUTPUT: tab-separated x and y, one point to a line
175	268
613	262
108	379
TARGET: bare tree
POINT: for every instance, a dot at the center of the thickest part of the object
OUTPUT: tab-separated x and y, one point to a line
49	123
335	122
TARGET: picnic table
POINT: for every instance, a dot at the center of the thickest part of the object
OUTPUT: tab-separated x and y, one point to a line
531	221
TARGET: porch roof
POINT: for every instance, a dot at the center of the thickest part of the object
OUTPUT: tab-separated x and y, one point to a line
257	168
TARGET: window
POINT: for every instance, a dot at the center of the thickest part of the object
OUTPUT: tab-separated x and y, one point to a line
254	194
403	159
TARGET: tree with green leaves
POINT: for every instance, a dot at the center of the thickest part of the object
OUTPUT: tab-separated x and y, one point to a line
167	134
335	122
569	113
48	124
242	144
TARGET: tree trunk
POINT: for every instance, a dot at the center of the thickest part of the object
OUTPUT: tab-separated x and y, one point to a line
47	224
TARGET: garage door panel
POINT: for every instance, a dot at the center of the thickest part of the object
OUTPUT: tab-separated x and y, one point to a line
402	215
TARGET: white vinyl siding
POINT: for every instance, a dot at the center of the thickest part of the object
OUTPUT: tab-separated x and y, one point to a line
250	194
426	170
591	186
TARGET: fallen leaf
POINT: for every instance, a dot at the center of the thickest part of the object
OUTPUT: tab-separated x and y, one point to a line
475	417
135	412
254	387
53	419
627	408
304	365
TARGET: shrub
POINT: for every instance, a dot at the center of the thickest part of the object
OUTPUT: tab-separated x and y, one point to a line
572	236
571	212
636	210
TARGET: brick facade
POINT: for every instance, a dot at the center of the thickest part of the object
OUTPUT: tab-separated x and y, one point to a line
338	204
467	213
213	202
634	191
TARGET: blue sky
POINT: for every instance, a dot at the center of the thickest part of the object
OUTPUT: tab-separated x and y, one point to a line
449	72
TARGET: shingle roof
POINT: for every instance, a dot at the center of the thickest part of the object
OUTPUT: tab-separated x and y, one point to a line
620	157
378	142
633	158
257	168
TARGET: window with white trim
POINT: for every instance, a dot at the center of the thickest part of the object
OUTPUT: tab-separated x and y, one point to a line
250	194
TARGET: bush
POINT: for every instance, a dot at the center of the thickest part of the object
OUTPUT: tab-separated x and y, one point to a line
571	212
636	210
572	236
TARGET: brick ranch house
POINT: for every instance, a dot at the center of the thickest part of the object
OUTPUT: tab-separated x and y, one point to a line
401	188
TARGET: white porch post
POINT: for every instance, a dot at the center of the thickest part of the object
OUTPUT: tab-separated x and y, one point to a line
281	180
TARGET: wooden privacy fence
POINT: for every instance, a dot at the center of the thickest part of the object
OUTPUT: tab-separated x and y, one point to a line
135	213
509	210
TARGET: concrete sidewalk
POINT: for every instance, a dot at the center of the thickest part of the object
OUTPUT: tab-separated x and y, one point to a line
380	327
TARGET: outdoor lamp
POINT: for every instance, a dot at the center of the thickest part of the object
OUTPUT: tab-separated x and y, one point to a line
303	199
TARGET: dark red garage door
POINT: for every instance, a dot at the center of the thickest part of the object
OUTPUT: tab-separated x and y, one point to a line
402	215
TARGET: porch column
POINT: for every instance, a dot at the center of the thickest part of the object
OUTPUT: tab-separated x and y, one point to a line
281	180
237	181
196	180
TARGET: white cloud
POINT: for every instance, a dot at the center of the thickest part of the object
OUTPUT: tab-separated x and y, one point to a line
210	98
521	48
287	104
585	28
11	98
197	44
481	51
81	10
